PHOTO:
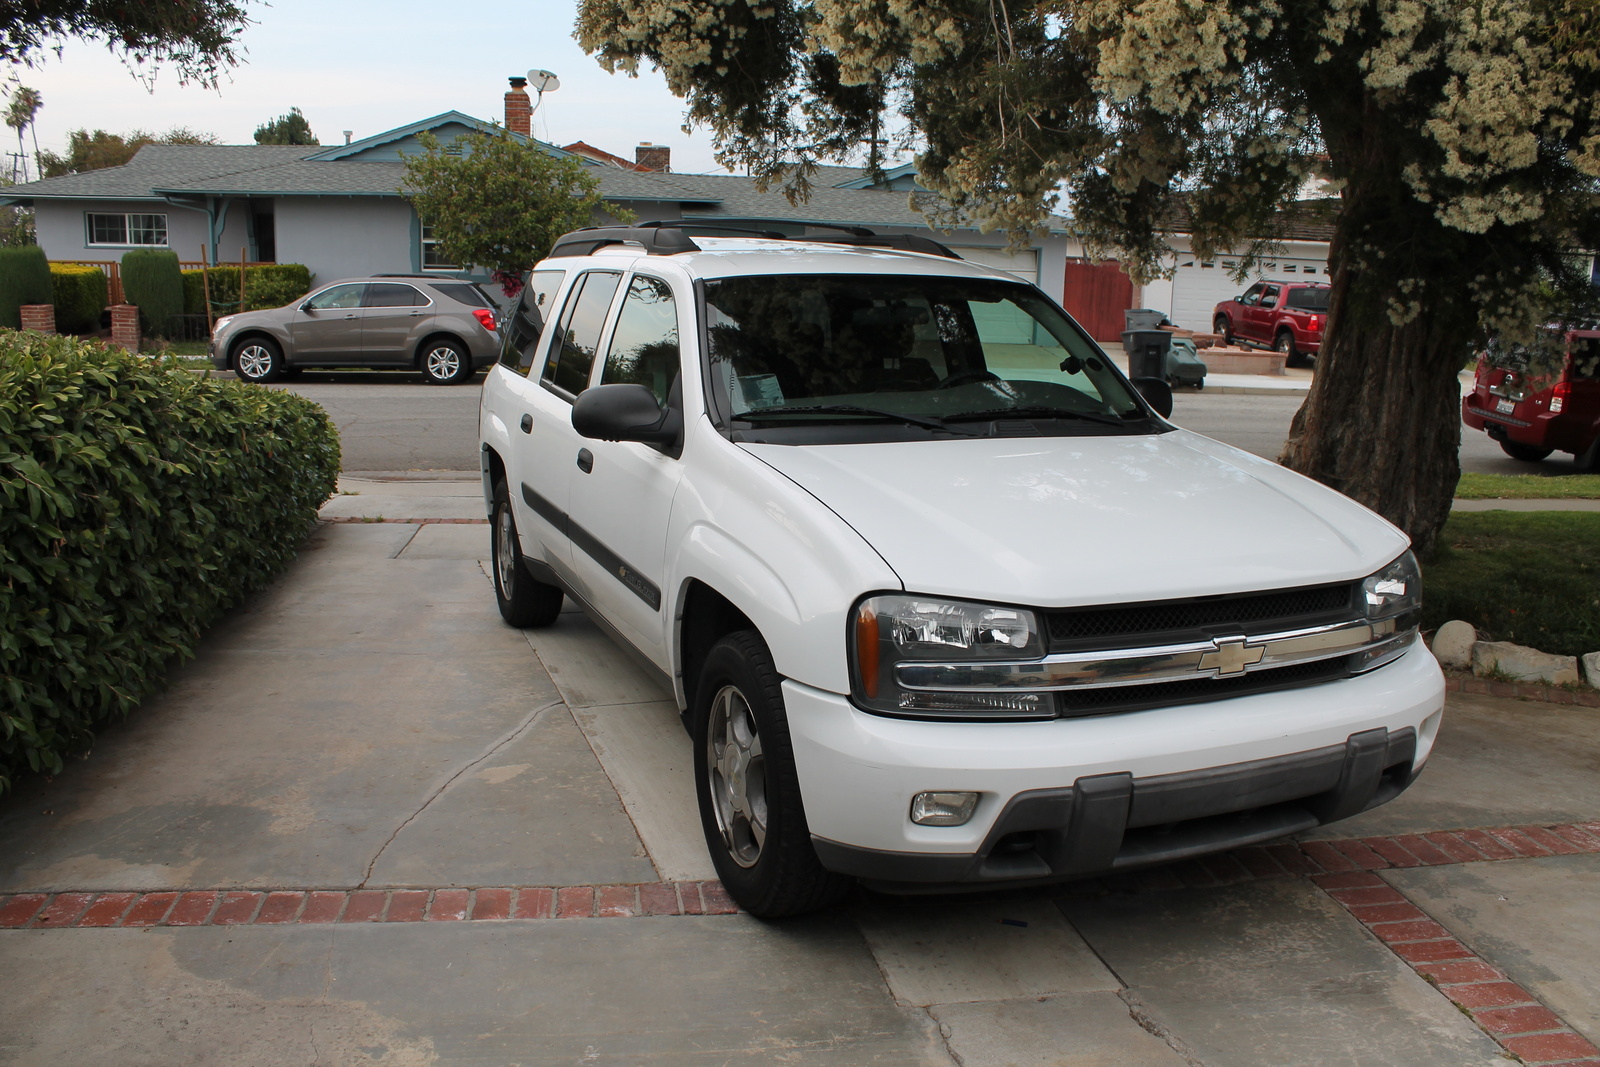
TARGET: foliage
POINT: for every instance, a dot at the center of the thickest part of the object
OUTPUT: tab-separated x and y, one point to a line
24	279
269	285
1476	486
140	501
152	280
1464	140
197	37
98	150
80	296
1532	577
286	129
499	202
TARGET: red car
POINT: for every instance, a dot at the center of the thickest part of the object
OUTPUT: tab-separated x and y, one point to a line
1287	316
1533	414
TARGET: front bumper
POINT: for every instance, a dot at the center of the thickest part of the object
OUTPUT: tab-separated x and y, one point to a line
1074	797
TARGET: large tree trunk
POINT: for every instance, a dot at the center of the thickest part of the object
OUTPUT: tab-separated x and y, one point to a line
1382	423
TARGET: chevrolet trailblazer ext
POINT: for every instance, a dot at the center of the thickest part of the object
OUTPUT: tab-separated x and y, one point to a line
944	599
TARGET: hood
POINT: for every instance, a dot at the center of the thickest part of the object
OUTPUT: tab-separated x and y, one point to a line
1065	521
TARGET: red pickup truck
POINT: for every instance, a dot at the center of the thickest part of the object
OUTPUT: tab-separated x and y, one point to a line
1533	412
1287	316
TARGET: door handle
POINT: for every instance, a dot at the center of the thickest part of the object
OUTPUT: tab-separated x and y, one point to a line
527	424
585	460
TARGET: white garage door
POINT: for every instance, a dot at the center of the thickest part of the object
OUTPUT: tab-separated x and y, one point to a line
1024	264
1198	287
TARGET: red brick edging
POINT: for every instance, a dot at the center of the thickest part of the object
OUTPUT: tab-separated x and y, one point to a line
1459	682
362	520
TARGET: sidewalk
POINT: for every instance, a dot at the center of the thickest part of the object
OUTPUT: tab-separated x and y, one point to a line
369	824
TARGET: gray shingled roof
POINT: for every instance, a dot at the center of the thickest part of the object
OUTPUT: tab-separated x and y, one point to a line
164	166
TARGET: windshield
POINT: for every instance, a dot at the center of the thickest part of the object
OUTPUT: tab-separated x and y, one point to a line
942	354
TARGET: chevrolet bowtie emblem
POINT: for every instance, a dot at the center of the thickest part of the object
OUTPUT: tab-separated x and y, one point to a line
1231	657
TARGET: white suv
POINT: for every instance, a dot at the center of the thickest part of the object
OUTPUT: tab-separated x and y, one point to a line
945	600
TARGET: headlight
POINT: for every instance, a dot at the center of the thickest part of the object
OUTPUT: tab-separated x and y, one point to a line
1392	599
894	629
220	323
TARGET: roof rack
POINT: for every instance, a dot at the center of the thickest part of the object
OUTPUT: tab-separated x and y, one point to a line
668	238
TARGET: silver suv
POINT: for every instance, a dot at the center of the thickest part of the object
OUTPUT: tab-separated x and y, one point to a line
443	327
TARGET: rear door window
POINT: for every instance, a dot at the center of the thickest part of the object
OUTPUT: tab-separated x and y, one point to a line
572	351
393	295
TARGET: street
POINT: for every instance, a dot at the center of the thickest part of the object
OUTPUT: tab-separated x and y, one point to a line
389	421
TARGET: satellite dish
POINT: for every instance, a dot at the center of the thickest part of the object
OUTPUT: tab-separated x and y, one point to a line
542	81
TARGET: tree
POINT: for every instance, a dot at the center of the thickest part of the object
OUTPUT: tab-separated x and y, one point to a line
20	112
98	150
286	129
1463	137
499	202
195	36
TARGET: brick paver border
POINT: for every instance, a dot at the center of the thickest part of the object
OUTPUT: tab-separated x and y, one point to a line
1344	869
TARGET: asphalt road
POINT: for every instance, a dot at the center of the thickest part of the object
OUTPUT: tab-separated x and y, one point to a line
392	421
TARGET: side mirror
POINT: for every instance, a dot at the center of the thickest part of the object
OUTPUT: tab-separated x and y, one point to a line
1157	393
625	412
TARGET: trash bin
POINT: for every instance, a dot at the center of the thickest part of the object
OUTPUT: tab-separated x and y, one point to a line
1147	352
1142	319
1183	365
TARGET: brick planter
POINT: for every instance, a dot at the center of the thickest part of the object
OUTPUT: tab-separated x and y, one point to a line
125	326
40	318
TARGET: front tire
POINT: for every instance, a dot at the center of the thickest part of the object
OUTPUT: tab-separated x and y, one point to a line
445	362
1525	453
1223	330
750	806
523	601
257	359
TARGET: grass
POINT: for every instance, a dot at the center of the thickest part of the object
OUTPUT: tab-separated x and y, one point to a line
1529	577
175	348
1475	486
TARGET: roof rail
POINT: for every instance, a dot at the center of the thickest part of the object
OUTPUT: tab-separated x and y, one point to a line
667	238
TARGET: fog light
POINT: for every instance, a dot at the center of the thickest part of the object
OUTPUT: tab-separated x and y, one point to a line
943	809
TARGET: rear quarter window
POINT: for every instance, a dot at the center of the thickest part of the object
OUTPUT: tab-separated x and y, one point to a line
1308	299
464	293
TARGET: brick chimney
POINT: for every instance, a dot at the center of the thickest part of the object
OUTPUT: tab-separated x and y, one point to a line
656	157
519	109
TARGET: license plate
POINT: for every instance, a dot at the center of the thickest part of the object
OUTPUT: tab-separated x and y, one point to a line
1505	407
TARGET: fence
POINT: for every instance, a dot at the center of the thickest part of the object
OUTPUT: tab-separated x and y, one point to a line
113	269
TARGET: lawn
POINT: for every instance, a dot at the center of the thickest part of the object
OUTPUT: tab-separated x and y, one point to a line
1530	577
1475	486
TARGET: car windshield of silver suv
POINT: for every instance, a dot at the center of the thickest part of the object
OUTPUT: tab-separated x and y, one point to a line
792	353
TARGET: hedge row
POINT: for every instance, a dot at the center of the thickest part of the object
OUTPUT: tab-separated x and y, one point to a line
138	501
24	279
271	285
80	292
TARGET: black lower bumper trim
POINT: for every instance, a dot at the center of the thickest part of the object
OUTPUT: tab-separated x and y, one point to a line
1115	822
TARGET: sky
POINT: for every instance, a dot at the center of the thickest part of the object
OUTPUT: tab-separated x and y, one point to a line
369	66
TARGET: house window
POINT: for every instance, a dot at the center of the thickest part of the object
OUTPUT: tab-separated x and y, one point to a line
431	259
130	229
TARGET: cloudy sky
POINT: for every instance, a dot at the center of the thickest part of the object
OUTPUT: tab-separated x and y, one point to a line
369	66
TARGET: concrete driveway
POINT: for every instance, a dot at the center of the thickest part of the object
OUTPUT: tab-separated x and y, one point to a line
369	824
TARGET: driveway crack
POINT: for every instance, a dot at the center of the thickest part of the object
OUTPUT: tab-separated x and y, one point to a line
1140	1013
504	740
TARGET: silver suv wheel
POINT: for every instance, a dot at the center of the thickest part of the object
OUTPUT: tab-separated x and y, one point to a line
738	784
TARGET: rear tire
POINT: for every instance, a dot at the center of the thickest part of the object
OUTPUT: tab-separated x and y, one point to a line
1525	453
523	601
1285	344
445	362
744	773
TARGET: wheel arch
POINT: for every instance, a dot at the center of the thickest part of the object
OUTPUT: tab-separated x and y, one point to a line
704	618
257	333
436	336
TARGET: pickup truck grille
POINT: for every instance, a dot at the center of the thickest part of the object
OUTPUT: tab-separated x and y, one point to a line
1157	622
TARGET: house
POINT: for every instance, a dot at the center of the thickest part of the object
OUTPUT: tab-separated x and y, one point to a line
338	210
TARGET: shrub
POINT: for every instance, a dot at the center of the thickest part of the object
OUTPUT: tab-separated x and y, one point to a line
80	296
138	501
24	279
270	285
152	279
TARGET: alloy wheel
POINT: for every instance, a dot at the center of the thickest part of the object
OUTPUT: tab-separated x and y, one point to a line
738	779
255	361
505	552
443	363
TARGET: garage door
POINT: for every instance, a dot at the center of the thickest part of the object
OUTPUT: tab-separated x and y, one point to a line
1199	286
1024	264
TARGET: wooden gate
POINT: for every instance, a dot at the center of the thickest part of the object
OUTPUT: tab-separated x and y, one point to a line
1096	294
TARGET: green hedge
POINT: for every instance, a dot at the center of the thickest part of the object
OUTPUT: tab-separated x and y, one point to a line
138	501
24	279
270	285
80	296
152	280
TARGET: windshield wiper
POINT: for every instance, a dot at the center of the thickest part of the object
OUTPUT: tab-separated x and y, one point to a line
1038	412
928	422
